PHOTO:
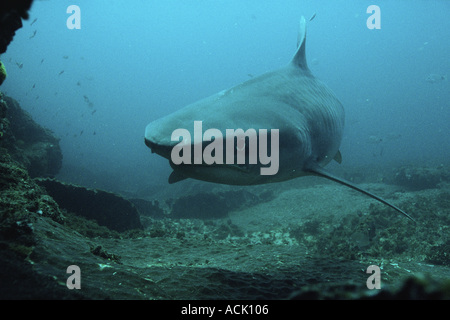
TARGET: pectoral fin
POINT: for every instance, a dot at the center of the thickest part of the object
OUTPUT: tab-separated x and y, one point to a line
338	157
176	176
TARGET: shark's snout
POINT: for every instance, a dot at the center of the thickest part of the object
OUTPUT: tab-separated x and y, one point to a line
157	138
158	141
152	145
161	149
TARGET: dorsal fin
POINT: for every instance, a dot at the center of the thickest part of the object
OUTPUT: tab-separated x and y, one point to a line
323	173
299	58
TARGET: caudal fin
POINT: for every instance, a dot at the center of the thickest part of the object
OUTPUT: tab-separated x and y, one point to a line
323	173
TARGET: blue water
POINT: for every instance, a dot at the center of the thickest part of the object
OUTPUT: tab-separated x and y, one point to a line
134	61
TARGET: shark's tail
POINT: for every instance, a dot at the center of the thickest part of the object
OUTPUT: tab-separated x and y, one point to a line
323	173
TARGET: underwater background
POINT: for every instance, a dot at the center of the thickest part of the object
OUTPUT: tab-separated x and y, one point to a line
135	61
96	88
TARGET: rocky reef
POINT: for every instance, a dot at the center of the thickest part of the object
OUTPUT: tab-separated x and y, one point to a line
214	205
33	210
106	208
11	15
3	73
21	197
420	178
33	147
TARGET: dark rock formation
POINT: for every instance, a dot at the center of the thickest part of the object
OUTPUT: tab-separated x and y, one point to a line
21	198
214	205
106	208
11	13
148	208
420	178
32	146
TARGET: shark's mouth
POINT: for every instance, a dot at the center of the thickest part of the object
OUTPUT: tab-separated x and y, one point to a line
242	156
244	168
160	149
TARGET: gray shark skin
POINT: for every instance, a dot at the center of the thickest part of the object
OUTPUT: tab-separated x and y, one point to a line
309	117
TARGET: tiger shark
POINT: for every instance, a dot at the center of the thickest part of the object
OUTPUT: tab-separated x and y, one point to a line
302	117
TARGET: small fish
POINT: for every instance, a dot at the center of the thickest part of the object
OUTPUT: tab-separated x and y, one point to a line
94	133
86	99
91	105
20	65
61	72
81	132
65	57
33	22
42	60
34	86
432	78
78	83
313	16
93	112
375	140
250	75
33	35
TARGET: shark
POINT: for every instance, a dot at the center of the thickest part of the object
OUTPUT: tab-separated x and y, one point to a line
298	113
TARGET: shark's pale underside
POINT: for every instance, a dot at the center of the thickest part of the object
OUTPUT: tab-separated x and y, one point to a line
307	114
